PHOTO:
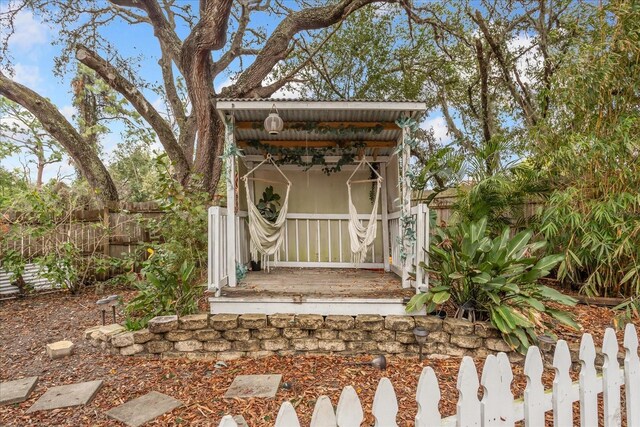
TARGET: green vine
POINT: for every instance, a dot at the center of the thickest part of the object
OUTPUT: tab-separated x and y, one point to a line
374	185
314	127
297	155
408	237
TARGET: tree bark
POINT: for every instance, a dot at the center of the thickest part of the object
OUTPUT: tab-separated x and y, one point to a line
85	157
522	99
483	65
40	172
196	63
276	48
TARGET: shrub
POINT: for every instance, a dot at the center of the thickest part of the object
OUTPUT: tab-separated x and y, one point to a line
496	279
13	263
595	218
167	288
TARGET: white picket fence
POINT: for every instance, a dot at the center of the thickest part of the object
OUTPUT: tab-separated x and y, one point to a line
497	406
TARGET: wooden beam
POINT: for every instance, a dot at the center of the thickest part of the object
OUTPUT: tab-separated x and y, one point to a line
320	144
331	125
248	158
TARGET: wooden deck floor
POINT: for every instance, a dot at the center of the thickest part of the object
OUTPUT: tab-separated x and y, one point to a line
319	283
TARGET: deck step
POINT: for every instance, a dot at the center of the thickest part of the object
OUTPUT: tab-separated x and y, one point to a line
300	305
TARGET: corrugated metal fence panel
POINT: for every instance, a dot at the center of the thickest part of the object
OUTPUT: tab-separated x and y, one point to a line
31	277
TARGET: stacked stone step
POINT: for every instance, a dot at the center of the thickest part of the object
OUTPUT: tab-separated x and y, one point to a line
230	336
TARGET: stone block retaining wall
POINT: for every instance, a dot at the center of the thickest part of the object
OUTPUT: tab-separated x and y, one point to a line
230	336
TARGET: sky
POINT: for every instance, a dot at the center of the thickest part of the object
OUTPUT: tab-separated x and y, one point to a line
33	51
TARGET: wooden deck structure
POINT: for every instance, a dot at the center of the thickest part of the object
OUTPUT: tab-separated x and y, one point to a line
315	291
315	273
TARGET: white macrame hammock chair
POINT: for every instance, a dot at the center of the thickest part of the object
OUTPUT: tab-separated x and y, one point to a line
266	237
361	236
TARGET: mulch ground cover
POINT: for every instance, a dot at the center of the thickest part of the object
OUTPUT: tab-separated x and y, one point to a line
26	325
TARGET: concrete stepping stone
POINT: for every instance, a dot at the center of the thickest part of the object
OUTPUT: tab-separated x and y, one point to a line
16	391
254	386
143	409
67	395
59	349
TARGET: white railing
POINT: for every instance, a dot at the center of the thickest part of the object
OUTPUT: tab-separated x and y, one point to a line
497	406
418	252
315	240
218	255
322	240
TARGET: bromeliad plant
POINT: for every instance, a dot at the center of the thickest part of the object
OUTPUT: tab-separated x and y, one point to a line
496	278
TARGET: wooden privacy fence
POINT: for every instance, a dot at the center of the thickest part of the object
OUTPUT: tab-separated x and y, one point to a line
110	231
442	206
497	406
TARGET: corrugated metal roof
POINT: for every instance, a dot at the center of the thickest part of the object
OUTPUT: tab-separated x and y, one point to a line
31	276
339	114
241	114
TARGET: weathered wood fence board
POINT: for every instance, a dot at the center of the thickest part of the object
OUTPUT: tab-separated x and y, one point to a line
112	231
497	406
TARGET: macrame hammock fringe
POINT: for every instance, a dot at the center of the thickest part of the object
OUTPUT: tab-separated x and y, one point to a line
266	237
361	236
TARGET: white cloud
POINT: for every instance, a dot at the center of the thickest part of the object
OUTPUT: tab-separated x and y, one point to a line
28	75
289	91
224	83
68	111
161	107
439	126
28	31
521	41
529	60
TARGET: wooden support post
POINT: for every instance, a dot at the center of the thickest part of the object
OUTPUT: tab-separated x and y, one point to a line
385	219
421	230
405	204
231	203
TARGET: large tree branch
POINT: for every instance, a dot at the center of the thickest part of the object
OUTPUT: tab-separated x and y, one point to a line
162	28
522	99
458	135
84	156
195	59
483	65
276	47
235	49
170	90
161	127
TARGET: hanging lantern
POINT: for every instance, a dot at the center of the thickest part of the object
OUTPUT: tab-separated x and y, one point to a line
273	124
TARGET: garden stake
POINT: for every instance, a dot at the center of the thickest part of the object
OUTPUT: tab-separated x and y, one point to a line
113	299
102	303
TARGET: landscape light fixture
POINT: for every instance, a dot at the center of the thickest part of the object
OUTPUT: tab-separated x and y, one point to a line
273	124
421	337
